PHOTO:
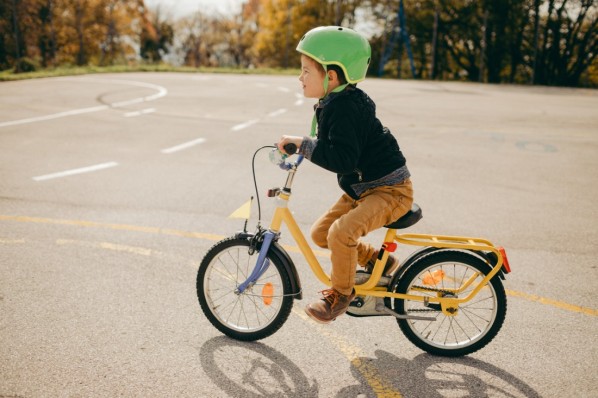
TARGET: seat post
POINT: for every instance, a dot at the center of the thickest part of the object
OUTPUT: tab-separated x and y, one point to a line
390	236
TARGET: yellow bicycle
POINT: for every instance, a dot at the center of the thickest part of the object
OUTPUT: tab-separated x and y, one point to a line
447	296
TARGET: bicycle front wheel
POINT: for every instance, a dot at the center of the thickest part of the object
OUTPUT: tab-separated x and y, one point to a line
254	314
475	323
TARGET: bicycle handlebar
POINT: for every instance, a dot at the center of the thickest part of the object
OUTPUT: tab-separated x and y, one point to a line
291	149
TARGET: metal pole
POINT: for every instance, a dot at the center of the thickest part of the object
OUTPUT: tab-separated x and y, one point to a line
406	38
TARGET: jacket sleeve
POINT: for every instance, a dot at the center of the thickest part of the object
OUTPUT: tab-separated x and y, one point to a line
340	138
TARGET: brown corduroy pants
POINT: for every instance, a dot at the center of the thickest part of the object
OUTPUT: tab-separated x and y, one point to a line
348	220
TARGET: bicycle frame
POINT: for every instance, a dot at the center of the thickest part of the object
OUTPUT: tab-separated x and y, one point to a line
449	305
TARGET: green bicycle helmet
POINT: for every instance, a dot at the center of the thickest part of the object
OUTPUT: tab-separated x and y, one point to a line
335	45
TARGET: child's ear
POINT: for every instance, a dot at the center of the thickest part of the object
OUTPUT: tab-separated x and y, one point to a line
332	76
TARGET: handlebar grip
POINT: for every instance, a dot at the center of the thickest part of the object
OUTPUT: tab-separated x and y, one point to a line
290	148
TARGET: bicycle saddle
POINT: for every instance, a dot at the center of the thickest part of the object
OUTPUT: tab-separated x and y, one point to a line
409	219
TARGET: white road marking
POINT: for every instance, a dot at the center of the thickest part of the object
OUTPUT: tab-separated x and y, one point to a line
283	89
277	112
139	113
54	116
76	171
244	125
183	146
300	99
161	92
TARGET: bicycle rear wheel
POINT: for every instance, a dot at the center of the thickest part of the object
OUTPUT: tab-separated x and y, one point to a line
254	314
475	323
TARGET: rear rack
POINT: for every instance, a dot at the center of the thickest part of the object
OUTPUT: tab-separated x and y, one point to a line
453	242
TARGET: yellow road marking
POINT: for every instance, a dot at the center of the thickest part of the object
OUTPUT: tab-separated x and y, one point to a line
354	354
123	227
554	303
9	241
143	251
212	237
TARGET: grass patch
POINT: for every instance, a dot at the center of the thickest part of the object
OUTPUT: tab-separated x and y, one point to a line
9	75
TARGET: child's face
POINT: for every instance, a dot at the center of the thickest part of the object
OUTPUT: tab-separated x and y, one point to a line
312	78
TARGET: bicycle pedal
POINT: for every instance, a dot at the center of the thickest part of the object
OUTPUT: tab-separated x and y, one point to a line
365	306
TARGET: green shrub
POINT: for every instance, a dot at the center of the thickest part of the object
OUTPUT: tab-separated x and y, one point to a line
24	65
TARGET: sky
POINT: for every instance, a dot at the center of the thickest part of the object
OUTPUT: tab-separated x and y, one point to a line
180	8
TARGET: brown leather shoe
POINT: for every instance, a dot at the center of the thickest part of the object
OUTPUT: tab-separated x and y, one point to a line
392	263
332	305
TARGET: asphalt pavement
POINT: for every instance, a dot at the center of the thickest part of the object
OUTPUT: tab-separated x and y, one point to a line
113	187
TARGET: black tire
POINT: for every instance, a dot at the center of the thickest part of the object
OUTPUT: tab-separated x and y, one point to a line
256	313
476	322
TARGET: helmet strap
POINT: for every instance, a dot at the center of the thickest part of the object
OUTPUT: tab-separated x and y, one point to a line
314	120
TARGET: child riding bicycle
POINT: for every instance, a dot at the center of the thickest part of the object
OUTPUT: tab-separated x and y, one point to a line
348	139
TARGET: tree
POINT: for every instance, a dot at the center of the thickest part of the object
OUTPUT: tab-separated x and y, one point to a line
47	38
568	42
156	35
121	17
282	23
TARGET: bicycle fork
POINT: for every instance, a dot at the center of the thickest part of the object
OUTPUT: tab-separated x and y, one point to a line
261	264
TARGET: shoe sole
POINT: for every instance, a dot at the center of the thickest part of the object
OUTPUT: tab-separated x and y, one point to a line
312	316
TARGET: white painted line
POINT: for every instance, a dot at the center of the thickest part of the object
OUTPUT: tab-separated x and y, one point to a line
283	89
277	112
139	113
161	92
183	146
76	171
300	99
244	125
54	116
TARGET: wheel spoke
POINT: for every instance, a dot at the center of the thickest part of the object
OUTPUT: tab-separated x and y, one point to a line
248	316
474	323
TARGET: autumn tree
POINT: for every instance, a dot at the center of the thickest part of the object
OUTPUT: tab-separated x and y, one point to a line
19	30
551	42
566	44
283	22
192	31
156	36
122	23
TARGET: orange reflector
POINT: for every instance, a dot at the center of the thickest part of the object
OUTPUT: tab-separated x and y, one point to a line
267	292
433	278
389	246
505	261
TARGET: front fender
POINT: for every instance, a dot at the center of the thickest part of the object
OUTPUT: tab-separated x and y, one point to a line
277	250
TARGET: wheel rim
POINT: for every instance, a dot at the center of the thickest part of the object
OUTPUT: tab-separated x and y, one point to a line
257	306
473	319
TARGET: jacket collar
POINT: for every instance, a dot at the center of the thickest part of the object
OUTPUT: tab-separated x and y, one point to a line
331	96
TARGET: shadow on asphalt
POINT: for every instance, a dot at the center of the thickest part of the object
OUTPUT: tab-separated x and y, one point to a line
436	377
252	369
243	369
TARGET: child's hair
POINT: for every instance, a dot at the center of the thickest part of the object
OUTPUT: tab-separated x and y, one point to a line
339	72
